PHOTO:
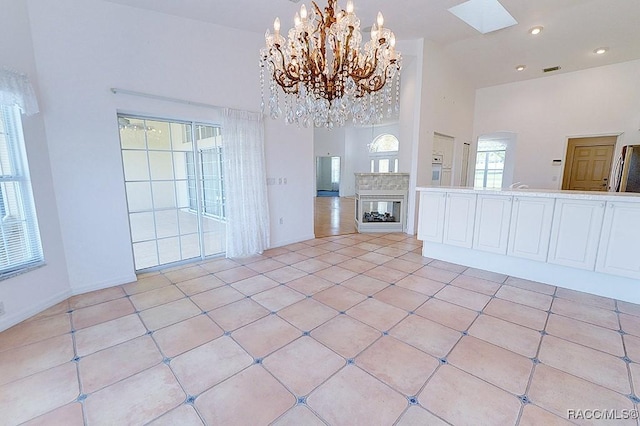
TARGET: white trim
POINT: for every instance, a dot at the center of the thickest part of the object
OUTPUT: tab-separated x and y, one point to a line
17	317
125	279
296	240
118	91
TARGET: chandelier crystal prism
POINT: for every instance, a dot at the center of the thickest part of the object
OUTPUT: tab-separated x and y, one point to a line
326	79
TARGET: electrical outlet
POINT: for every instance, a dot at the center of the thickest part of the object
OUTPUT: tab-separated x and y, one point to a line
2	309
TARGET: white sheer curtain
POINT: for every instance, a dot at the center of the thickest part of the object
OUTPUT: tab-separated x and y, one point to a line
245	181
16	90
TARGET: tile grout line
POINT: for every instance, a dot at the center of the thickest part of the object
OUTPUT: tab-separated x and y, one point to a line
76	360
536	362
379	337
633	396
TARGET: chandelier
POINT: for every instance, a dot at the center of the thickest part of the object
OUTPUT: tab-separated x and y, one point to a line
325	77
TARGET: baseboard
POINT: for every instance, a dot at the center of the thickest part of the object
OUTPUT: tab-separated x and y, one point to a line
17	317
126	279
296	240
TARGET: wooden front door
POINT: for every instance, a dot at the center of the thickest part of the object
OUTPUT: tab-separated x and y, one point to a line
588	163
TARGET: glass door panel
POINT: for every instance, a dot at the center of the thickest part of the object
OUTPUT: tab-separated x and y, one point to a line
176	205
210	155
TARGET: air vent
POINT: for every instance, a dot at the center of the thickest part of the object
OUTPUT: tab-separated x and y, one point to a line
551	69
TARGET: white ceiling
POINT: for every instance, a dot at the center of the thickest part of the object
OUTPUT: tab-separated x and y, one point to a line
572	30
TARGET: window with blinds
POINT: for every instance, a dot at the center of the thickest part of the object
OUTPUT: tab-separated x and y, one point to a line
20	246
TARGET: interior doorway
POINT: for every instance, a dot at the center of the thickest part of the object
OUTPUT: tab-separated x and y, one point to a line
328	176
588	163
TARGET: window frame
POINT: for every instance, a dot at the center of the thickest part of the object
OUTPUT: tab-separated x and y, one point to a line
377	156
24	220
495	147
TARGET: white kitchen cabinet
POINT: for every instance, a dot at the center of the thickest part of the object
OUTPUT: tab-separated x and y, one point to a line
552	236
575	233
431	223
459	218
493	216
618	251
530	227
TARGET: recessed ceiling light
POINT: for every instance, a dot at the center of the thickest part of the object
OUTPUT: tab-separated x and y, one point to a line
536	30
601	50
521	67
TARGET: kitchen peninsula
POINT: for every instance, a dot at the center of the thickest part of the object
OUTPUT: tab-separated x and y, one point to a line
586	241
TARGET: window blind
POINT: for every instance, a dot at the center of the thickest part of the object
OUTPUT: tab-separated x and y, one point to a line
20	245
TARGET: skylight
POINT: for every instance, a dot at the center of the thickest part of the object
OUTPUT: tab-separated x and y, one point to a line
484	15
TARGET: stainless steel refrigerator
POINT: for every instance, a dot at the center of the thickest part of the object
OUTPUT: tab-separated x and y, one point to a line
628	168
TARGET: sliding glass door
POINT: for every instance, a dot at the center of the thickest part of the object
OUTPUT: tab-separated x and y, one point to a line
173	189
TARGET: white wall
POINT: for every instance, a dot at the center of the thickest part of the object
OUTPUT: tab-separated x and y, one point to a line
85	47
545	112
446	107
357	140
31	292
351	144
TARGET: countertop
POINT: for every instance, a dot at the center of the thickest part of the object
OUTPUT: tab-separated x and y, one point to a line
546	193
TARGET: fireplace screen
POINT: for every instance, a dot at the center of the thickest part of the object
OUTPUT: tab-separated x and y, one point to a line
381	211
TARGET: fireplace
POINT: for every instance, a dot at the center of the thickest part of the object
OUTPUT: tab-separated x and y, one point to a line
381	200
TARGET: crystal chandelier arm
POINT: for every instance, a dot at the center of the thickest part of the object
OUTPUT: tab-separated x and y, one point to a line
378	81
367	69
315	59
321	48
281	73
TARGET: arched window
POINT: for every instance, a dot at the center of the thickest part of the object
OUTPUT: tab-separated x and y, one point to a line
383	152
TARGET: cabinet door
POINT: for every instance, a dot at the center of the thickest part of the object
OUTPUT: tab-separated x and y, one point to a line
575	233
618	250
459	218
431	216
530	228
493	215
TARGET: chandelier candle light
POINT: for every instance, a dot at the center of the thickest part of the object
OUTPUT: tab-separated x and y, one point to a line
325	77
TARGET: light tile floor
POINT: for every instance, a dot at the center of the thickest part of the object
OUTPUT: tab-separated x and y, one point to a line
346	330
